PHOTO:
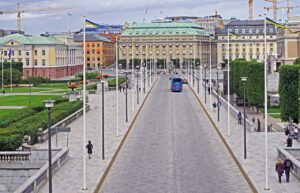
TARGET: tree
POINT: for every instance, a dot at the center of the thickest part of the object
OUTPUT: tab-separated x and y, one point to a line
255	83
123	63
297	61
16	76
288	91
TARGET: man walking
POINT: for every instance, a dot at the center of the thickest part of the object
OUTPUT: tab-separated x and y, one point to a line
288	165
240	118
89	147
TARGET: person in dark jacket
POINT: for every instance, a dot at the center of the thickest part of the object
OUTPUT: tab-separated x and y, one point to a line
89	147
288	165
279	168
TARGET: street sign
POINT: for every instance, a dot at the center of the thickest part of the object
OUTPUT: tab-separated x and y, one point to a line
63	129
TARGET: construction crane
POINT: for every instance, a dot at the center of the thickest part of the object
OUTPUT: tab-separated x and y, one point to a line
19	11
274	7
250	2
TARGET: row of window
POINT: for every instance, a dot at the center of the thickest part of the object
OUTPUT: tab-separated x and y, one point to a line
250	31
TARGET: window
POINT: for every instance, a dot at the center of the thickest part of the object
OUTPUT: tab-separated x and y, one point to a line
5	53
43	62
43	52
20	52
27	53
27	62
257	31
243	31
35	62
250	31
271	30
236	31
35	52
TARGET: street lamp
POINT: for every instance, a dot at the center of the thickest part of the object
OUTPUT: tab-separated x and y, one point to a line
49	104
198	78
218	68
144	77
205	81
244	80
137	83
126	103
103	157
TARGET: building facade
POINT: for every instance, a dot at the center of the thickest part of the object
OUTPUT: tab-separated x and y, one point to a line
169	41
100	52
43	56
250	43
288	44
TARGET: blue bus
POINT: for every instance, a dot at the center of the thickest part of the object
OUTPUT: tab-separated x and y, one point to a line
176	84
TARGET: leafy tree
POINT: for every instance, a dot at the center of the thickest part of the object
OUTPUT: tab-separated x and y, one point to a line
123	63
288	91
297	61
255	84
16	76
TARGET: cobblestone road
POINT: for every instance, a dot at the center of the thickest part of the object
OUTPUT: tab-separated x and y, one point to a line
173	148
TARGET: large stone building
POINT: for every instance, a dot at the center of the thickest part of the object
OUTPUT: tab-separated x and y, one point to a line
100	52
288	44
250	43
43	56
167	41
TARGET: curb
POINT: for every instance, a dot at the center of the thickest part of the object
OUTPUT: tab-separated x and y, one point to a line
106	171
241	168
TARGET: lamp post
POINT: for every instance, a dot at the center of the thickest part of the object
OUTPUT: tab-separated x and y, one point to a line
205	81
48	104
144	77
137	84
244	80
197	78
201	81
126	103
103	157
218	68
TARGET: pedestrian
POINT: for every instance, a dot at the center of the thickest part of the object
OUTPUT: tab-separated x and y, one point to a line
289	141
120	87
89	147
279	168
288	165
253	120
214	106
287	131
240	118
123	88
208	90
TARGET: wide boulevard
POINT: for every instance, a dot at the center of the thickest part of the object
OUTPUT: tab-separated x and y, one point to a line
172	148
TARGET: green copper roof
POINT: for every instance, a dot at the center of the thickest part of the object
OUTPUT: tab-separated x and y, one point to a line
29	40
159	29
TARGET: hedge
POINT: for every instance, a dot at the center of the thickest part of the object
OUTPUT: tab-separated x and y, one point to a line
29	125
288	91
112	83
92	87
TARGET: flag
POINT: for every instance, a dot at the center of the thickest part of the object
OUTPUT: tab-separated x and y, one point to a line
90	24
269	21
233	34
9	53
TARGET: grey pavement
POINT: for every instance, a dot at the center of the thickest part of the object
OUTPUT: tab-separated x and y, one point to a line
12	107
254	165
69	178
173	148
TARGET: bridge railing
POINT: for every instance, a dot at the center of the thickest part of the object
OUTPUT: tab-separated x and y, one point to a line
10	156
293	154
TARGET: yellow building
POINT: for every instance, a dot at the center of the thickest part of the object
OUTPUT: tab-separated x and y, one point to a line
100	52
43	56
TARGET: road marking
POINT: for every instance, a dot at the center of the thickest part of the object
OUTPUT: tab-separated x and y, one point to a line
247	178
106	171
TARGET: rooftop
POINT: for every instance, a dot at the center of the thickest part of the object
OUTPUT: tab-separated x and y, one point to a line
90	38
158	29
30	40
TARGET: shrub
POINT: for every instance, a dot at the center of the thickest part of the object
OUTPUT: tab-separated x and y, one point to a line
113	82
92	87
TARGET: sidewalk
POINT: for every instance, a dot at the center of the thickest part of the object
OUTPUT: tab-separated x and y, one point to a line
69	178
254	165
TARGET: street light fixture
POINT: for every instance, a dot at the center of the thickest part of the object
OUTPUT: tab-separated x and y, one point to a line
126	103
49	104
244	80
205	81
137	83
103	150
218	68
144	77
198	78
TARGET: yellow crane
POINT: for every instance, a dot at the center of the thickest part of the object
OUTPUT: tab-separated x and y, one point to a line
250	2
19	11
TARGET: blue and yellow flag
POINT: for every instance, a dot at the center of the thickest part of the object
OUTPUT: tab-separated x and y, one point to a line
90	24
269	21
233	34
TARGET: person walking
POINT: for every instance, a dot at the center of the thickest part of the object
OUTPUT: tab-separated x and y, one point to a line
90	147
214	106
288	165
279	168
240	118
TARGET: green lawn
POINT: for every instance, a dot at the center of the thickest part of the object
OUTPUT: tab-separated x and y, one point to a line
54	86
26	90
4	112
24	100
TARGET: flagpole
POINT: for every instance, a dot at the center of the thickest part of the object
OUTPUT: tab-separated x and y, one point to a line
84	107
10	74
147	78
132	78
266	107
194	67
201	80
2	77
228	87
210	90
117	86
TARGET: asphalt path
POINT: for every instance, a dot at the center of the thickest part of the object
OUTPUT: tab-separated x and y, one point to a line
173	148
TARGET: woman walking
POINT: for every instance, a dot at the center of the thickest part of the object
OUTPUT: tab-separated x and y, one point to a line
279	168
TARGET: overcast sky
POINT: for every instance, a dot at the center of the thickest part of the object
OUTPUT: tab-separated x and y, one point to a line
121	11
